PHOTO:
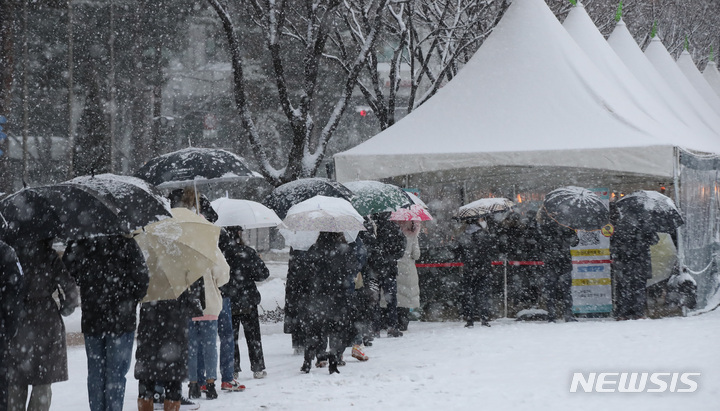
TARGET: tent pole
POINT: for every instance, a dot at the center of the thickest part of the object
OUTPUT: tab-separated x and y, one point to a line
505	264
197	198
676	189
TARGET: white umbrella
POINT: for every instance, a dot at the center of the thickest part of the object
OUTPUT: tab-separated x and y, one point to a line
305	221
244	213
416	200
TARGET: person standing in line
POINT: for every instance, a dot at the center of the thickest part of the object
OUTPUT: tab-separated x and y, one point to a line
161	356
476	248
384	253
12	295
113	278
39	351
241	292
632	267
408	283
295	288
555	243
202	335
334	264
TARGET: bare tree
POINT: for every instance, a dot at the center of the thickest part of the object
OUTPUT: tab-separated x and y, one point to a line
7	56
286	24
424	43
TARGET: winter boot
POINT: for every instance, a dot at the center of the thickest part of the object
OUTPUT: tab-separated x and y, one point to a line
469	324
305	369
258	375
211	393
145	404
193	390
171	405
393	332
333	367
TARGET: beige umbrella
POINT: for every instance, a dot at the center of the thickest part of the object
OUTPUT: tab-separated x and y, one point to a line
178	251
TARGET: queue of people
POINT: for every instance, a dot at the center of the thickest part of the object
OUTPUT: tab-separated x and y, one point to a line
340	294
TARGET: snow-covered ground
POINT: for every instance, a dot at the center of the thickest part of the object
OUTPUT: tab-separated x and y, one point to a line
510	366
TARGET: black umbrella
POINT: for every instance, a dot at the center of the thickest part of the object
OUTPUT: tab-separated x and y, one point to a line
577	208
139	203
289	194
194	165
59	210
650	211
74	210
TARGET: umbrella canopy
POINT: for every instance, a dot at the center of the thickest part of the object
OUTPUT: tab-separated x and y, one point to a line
138	202
483	207
416	200
322	213
415	212
289	194
178	251
244	213
372	197
577	208
194	165
307	219
649	209
66	210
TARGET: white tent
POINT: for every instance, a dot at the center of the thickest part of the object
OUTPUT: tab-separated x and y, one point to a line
630	53
668	68
581	28
712	76
688	67
528	100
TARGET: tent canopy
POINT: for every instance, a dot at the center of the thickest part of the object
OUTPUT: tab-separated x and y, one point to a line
529	97
624	45
688	67
712	76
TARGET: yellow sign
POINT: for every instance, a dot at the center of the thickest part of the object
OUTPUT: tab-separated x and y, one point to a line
607	230
593	252
590	281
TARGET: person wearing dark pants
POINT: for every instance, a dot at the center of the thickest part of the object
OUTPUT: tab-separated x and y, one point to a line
327	302
555	242
476	299
12	295
383	255
558	291
632	267
246	267
476	248
251	327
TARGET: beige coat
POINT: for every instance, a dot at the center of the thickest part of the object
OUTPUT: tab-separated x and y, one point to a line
408	294
214	278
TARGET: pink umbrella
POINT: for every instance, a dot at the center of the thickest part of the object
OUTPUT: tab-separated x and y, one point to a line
415	213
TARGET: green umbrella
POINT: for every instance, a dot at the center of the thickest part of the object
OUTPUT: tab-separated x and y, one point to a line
371	197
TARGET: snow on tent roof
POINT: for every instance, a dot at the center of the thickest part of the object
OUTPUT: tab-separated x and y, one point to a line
628	50
687	66
712	76
664	63
528	97
581	28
